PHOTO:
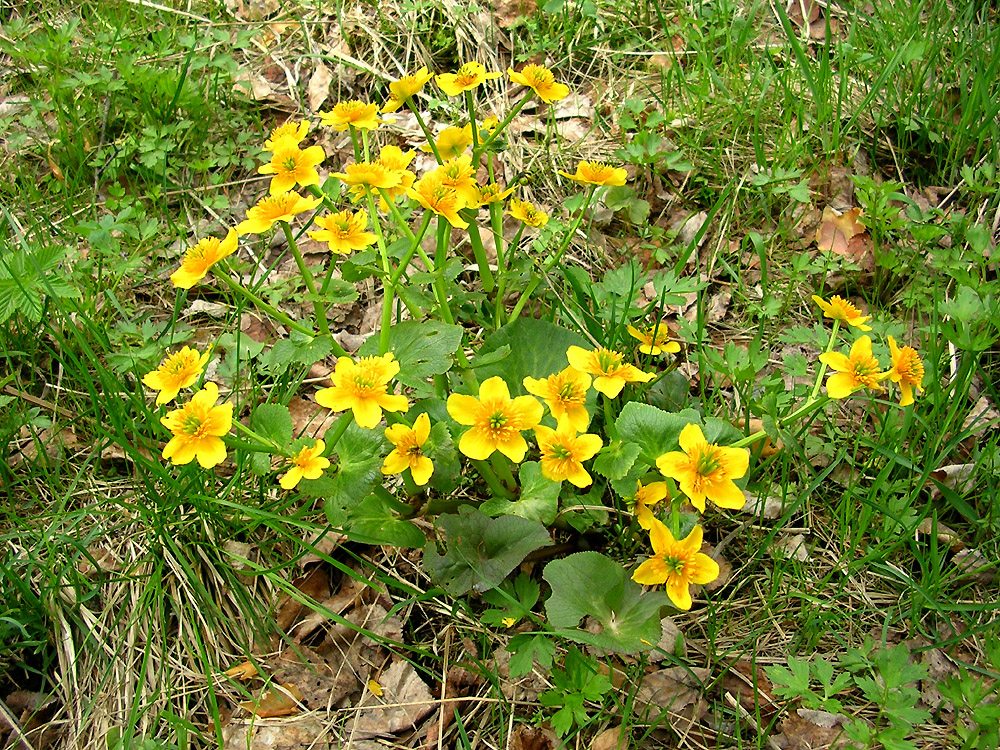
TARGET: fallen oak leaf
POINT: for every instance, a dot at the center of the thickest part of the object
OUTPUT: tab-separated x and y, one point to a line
844	233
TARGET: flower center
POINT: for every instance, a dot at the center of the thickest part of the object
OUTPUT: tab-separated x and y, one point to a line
192	425
290	164
567	392
675	565
498	421
706	463
608	361
561	452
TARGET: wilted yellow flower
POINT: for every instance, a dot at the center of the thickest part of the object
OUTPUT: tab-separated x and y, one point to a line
705	470
201	257
431	193
177	370
308	463
907	370
451	142
676	563
563	453
645	496
362	387
655	340
525	212
344	232
468	77
405	87
542	81
198	427
840	309
496	420
407	450
291	132
565	393
597	173
274	208
292	166
360	114
859	370
607	366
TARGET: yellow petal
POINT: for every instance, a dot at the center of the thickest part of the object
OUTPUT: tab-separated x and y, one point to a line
515	448
610	387
691	438
735	462
841	385
422	429
462	408
367	412
494	389
395	462
476	445
652	572
421	470
726	494
703	569
211	451
679	591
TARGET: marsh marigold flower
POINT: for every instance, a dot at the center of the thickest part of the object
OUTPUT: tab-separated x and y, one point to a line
308	463
840	309
565	393
907	371
459	175
492	193
676	563
468	77
495	419
407	452
645	496
704	470
527	214
563	453
354	113
362	387
274	208
292	166
450	142
344	232
431	193
859	370
655	340
597	173
199	258
608	368
291	132
198	427
405	87
541	80
177	370
368	175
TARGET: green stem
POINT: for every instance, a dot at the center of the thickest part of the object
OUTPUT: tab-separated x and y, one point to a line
501	126
260	304
414	246
388	289
492	481
396	215
502	273
269	445
333	435
471	109
485	273
427	133
319	308
502	468
440	258
609	418
354	142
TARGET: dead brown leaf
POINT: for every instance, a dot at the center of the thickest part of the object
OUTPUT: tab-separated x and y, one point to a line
844	233
957	477
766	507
749	684
982	417
671	641
511	12
405	700
319	86
609	739
944	534
793	547
531	738
973	564
675	691
315	584
800	731
277	700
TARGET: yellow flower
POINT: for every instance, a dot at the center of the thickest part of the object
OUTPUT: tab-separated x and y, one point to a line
597	173
290	166
405	87
468	77
176	371
451	142
492	193
565	393
526	213
369	175
407	452
676	563
431	193
907	370
645	496
459	175
611	373
275	208
542	81
198	427
705	470
201	257
655	340
396	160
362	387
563	453
291	132
308	463
345	114
496	420
840	309
859	370
344	232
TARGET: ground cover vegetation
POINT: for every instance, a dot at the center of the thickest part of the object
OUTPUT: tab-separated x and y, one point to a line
502	375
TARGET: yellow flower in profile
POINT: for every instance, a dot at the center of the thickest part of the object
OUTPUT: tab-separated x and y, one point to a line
492	193
308	463
468	77
358	114
705	470
344	232
541	80
597	173
563	453
274	208
177	370
607	366
645	496
676	563
368	175
407	452
362	387
406	87
451	142
840	309
198	427
201	257
459	175
394	159
291	132
292	166
527	214
655	340
859	370
565	393
431	193
495	419
907	371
